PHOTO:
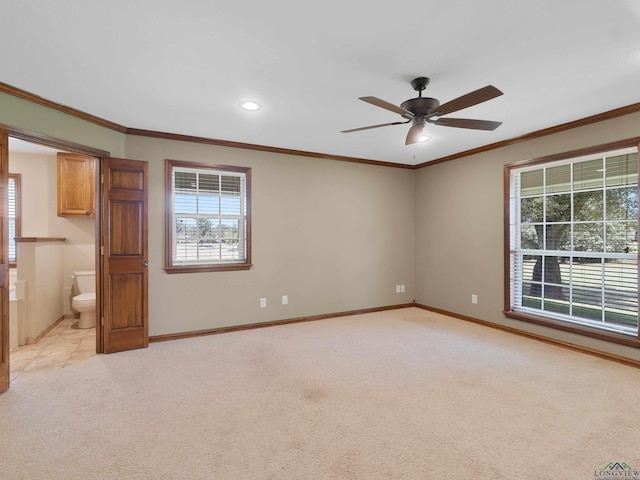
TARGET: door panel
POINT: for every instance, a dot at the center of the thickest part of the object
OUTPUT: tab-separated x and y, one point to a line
125	309
128	289
127	241
4	261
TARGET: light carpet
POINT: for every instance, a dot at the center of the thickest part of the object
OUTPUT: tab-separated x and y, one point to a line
402	394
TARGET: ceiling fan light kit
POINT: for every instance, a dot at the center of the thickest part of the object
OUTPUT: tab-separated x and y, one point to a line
422	110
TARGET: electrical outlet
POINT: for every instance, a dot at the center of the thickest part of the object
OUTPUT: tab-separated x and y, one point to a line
263	302
285	299
401	288
397	288
474	299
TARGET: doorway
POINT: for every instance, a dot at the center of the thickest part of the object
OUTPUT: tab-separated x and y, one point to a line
121	197
44	333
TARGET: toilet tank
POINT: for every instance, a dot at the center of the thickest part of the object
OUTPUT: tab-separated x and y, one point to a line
84	281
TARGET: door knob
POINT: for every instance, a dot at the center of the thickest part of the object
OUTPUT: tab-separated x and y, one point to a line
146	264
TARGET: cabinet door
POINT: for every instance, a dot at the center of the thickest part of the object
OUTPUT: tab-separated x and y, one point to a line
76	178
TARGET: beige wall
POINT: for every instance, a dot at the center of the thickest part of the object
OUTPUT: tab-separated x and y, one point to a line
459	227
38	176
18	113
40	267
338	236
333	236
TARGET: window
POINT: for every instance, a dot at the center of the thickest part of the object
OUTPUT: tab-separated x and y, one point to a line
14	216
208	217
573	243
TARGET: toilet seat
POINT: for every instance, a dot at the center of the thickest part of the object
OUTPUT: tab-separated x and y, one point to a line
85	298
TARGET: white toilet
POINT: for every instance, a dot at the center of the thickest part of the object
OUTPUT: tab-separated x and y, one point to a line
84	300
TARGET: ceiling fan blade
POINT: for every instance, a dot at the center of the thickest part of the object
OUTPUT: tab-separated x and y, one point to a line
414	134
373	126
467	123
386	105
468	100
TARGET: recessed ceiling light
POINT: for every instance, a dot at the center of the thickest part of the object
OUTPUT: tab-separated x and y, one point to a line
249	105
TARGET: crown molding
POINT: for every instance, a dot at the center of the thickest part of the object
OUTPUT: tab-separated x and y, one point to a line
618	112
16	92
261	148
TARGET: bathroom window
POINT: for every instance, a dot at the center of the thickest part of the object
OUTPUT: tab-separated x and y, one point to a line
14	216
207	217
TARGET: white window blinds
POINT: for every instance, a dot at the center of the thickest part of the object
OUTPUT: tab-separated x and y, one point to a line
574	241
209	216
14	202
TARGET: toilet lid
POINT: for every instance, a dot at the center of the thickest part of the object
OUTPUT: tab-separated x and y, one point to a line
85	297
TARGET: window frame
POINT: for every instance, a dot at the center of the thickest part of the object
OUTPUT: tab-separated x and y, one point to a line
17	178
509	311
170	265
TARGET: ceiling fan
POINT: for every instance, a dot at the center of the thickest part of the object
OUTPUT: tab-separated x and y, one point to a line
423	110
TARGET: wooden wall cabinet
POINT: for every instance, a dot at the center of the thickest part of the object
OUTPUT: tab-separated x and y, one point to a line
76	185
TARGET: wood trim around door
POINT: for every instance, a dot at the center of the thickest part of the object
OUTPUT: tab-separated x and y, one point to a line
56	143
4	261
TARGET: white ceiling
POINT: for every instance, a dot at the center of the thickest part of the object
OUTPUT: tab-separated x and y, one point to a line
183	67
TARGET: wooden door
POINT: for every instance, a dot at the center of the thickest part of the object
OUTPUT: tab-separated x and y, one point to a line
4	261
124	255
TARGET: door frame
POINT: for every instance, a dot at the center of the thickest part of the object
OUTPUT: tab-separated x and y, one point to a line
53	142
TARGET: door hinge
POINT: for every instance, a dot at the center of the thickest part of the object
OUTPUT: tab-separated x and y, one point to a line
102	321
102	179
101	249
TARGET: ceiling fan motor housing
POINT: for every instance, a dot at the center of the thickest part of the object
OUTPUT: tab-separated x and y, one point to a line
420	106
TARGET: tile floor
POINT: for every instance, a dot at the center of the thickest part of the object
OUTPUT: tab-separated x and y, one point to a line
62	346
